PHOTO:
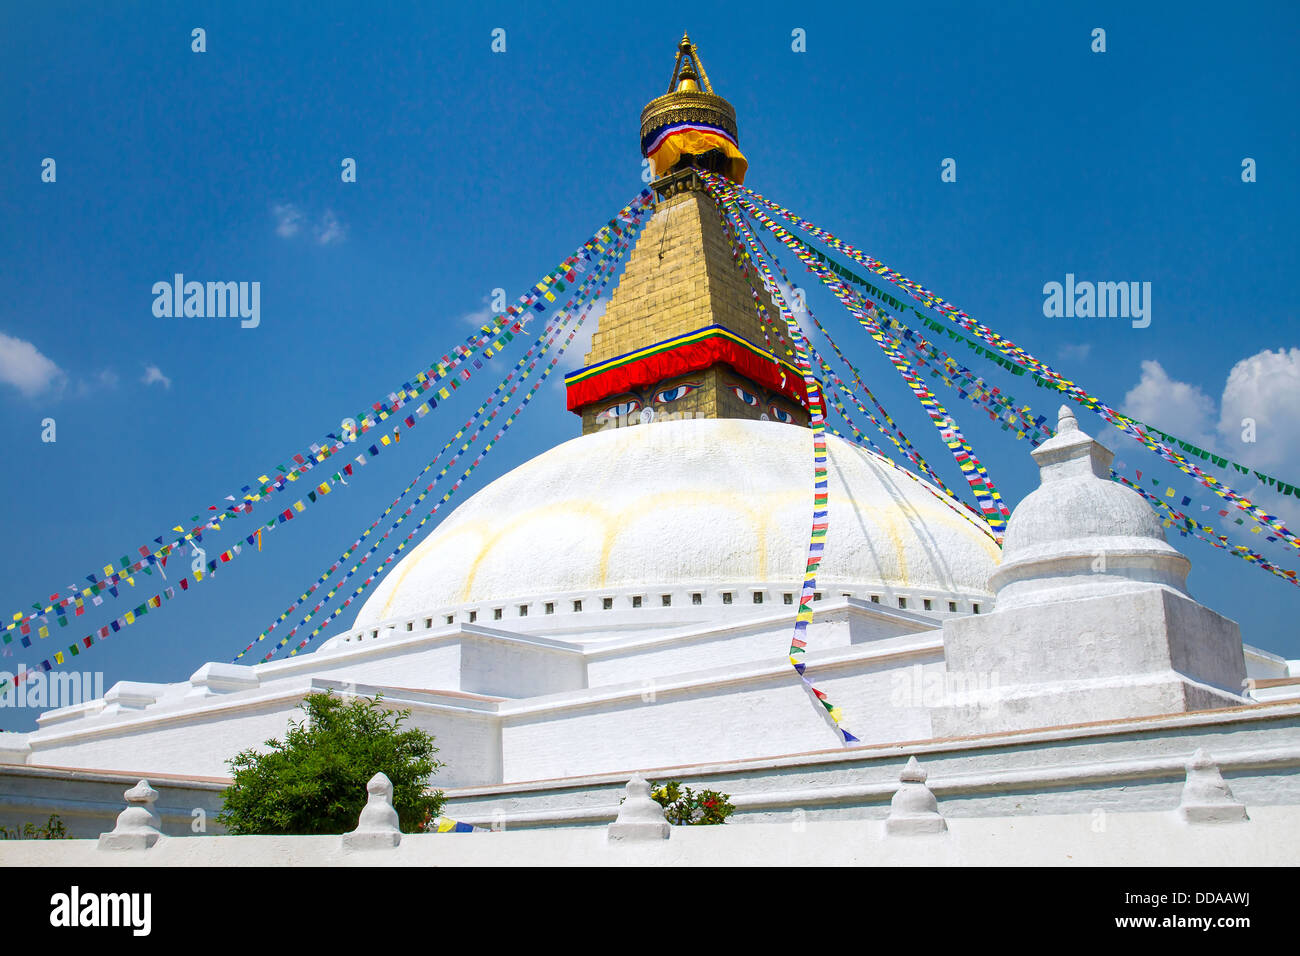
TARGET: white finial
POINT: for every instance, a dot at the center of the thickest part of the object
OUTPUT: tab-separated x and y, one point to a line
914	808
137	825
913	772
377	828
1065	420
640	818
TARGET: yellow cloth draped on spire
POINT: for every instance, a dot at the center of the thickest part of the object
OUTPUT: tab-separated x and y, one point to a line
695	142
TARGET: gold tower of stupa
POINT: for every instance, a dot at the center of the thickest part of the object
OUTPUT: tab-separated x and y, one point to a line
681	336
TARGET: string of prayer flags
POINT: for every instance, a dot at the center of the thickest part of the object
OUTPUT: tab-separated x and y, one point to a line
1003	406
58	658
448	825
1218	460
740	257
998	406
388	561
894	433
1020	357
992	507
503	332
620	246
489	338
591	287
821	493
351	548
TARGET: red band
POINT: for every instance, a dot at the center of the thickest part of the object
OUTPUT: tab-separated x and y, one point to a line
682	359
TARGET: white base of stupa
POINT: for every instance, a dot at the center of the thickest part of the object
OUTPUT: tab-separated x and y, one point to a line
1129	654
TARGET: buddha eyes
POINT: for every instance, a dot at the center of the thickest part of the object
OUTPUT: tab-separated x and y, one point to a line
780	414
667	395
618	411
744	396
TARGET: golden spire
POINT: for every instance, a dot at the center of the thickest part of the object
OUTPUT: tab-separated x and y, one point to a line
707	121
687	50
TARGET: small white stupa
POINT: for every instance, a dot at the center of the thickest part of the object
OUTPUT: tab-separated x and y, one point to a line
1093	619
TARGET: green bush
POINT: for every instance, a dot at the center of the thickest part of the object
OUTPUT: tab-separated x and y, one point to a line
52	829
684	807
314	782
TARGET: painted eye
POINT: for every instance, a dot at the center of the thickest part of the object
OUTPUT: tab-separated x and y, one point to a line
618	411
745	396
780	414
677	391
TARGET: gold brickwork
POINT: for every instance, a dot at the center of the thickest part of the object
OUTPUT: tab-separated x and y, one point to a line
681	278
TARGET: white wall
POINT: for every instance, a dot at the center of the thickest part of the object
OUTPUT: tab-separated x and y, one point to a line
727	713
1270	838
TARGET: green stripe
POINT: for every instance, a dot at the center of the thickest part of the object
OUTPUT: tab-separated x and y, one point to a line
688	338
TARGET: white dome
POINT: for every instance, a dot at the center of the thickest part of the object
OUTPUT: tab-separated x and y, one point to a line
688	503
1079	534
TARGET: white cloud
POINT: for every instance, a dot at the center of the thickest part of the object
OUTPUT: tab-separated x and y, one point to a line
153	374
24	367
1265	388
288	219
105	378
1172	406
330	230
478	318
1075	353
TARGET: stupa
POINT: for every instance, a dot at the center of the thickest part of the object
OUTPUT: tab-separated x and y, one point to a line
623	601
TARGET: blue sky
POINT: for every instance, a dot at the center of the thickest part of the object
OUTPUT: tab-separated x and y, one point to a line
479	170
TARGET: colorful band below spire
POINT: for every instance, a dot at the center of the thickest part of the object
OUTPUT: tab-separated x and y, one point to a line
666	145
711	345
